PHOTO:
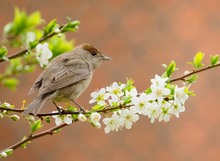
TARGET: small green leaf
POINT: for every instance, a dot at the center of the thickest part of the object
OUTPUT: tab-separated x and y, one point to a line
170	68
214	60
57	131
71	108
71	26
47	119
59	45
192	79
36	125
33	44
97	107
50	27
25	144
148	91
3	52
10	83
129	85
20	21
197	61
33	19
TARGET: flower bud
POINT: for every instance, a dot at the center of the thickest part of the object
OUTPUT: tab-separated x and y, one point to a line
15	117
3	155
97	125
57	30
1	115
82	117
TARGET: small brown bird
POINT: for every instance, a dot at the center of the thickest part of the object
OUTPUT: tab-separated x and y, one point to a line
66	77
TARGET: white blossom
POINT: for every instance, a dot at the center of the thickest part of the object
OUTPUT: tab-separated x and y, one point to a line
43	54
180	95
95	117
113	123
99	97
154	111
159	80
129	117
141	103
132	93
59	119
30	37
159	92
116	89
114	100
176	108
165	115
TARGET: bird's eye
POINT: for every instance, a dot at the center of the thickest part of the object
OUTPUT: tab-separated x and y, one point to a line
93	53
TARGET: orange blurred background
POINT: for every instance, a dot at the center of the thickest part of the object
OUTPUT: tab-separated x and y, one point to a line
140	36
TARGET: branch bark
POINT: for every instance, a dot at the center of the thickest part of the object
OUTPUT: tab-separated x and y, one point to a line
35	136
193	72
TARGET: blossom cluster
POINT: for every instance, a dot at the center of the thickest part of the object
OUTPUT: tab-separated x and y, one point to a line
161	101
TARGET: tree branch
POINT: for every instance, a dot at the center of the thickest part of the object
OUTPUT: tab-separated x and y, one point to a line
52	130
35	136
193	72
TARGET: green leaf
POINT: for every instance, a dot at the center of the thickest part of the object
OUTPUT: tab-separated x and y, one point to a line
192	79
25	144
50	27
129	85
36	125
10	83
148	91
57	131
190	93
59	45
197	61
47	119
214	60
20	21
170	68
33	44
71	26
3	52
97	107
33	19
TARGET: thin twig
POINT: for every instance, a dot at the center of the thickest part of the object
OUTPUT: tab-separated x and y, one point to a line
35	136
193	72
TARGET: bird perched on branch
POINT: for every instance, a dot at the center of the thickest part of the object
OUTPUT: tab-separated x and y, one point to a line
65	77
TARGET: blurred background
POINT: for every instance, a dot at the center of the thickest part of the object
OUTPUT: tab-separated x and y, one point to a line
140	36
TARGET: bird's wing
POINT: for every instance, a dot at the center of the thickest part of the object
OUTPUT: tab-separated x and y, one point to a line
65	75
37	84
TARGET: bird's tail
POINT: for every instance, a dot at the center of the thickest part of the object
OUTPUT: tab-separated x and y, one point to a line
35	106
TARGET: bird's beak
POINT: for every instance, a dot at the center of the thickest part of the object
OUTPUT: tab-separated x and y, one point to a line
106	58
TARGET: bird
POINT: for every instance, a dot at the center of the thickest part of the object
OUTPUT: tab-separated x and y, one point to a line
65	77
